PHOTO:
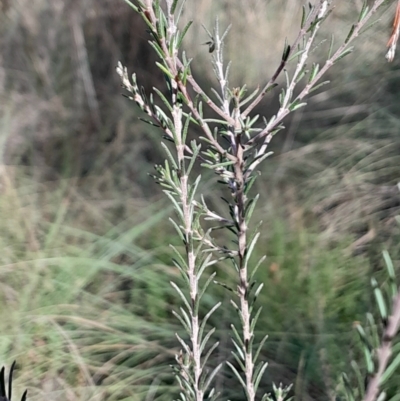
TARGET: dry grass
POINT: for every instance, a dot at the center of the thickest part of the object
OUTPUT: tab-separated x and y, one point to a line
259	30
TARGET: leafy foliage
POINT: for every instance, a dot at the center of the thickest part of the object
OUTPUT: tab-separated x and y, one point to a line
234	146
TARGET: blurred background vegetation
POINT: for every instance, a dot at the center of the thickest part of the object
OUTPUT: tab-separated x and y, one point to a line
85	299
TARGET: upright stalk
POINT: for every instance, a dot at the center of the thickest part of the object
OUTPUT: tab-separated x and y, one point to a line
234	143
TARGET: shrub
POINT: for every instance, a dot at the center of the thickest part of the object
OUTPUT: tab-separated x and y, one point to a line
232	143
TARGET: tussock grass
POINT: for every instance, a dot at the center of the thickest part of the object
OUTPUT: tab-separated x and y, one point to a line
66	310
86	304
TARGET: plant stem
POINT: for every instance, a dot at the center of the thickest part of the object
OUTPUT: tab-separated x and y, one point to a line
384	352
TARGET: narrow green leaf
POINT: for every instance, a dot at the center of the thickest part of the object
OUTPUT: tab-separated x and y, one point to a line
206	317
294	55
369	361
209	352
225	286
157	49
363	337
374	334
165	120
259	348
286	51
204	341
390	370
205	286
345	53
178	16
382	396
173	7
211	376
184	345
179	291
181	260
379	300
175	203
212	396
255	319
314	88
303	17
203	266
208	32
239	361
389	264
282	97
250	248
314	72
186	318
314	24
136	8
237	335
196	150
348	388
259	375
257	293
225	32
163	98
249	183
218	96
145	120
218	165
214	120
250	208
350	34
369	26
165	70
239	350
161	26
364	11
259	263
178	230
287	78
296	105
395	397
182	35
156	7
301	75
169	155
235	305
182	271
182	321
332	41
193	189
238	376
360	378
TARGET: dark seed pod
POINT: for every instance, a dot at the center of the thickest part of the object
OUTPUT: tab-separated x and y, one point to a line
3	393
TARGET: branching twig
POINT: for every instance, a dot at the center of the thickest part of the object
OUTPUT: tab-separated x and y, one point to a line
234	162
384	352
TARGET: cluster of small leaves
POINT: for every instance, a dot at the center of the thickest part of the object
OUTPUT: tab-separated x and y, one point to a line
234	143
379	341
191	372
